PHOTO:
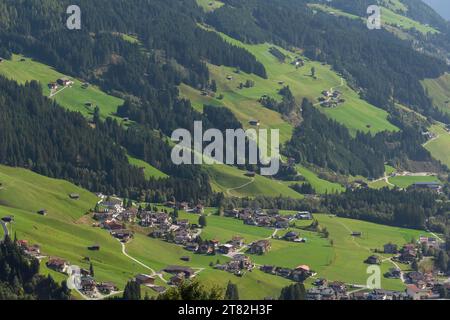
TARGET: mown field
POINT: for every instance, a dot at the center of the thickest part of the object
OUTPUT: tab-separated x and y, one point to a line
233	182
391	16
149	170
439	91
406	181
73	98
440	146
210	5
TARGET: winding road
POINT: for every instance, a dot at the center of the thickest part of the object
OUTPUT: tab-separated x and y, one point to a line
5	229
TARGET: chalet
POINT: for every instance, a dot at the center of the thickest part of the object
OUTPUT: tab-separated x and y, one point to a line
250	174
229	78
291	236
57	264
356	234
256	123
433	186
177	279
144	279
94	247
338	287
7	219
304	268
417	294
42	212
303	215
281	222
183	206
408	253
88	284
185	258
65	82
231	213
162	218
226	248
429	242
373	260
122	235
390	248
320	282
53	86
170	204
74	196
112	225
112	203
237	241
205	248
158	233
268	269
106	287
260	247
243	261
199	209
188	272
183	223
284	272
182	236
191	246
393	273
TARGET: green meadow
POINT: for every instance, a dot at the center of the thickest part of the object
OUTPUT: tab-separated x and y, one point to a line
439	91
320	185
210	5
149	170
406	181
440	146
233	182
73	98
392	15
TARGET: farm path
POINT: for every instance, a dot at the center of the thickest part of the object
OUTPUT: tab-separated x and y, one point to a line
153	272
402	276
240	187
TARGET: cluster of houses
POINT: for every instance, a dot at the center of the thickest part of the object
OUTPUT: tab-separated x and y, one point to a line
299	274
112	216
239	264
30	250
63	82
268	219
331	98
324	290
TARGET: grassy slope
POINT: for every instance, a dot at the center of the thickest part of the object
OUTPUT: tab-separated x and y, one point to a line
347	262
320	185
391	16
73	98
440	147
439	91
226	177
210	5
65	232
149	170
355	113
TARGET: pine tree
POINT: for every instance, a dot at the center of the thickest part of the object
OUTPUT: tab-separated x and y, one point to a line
91	270
202	221
232	292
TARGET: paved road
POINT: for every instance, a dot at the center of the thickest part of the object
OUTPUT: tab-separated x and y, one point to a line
5	228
